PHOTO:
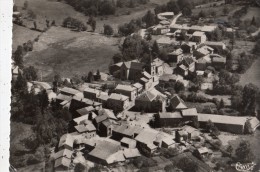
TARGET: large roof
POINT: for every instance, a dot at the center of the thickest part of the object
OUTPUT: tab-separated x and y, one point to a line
151	95
170	115
131	153
120	97
85	128
69	90
198	33
63	153
62	161
189	112
127	130
222	119
147	136
125	87
85	110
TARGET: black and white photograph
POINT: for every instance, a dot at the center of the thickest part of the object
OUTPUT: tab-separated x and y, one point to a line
133	86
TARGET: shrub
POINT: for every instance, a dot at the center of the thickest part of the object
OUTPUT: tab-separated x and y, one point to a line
108	30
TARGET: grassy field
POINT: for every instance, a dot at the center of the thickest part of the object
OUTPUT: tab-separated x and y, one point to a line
252	11
22	35
60	50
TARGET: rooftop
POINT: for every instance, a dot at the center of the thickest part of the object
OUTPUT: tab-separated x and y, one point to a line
69	91
125	87
66	139
189	112
120	97
170	115
62	161
127	130
178	103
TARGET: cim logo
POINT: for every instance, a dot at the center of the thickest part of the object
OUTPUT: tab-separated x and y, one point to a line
245	167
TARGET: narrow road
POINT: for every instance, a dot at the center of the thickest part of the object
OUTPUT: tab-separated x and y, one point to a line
175	19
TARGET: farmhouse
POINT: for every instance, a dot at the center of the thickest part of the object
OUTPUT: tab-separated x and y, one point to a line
128	143
175	56
139	87
188	47
176	103
66	142
69	91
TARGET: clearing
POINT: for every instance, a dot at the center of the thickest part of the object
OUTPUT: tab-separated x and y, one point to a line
70	53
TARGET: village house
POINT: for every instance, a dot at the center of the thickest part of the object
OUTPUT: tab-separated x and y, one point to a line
63	153
219	62
175	56
78	103
139	87
118	102
128	143
63	100
62	164
125	130
151	101
201	152
66	142
202	52
149	140
199	37
189	63
146	80
170	78
131	153
216	45
187	134
91	93
88	130
188	47
156	68
105	122
202	63
115	69
127	90
69	91
160	29
106	153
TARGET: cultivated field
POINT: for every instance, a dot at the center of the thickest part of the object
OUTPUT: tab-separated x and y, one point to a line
60	50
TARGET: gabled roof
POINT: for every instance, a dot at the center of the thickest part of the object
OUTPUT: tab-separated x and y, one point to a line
189	112
198	33
170	115
43	85
62	161
127	140
63	153
177	52
137	85
66	139
157	62
125	87
81	119
120	97
133	65
105	114
203	150
85	110
146	75
91	90
127	130
131	153
85	128
63	97
188	61
146	96
147	136
69	90
178	103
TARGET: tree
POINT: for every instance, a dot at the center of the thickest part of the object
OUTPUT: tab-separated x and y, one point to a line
209	126
120	3
173	6
149	37
249	98
202	14
221	104
155	48
90	77
30	73
186	11
225	10
107	8
248	128
244	153
195	122
187	165
179	87
149	19
229	149
25	5
213	13
93	24
215	131
131	4
44	100
80	168
18	56
20	85
253	22
117	58
108	30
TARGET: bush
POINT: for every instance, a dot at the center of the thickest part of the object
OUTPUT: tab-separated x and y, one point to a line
108	30
70	22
